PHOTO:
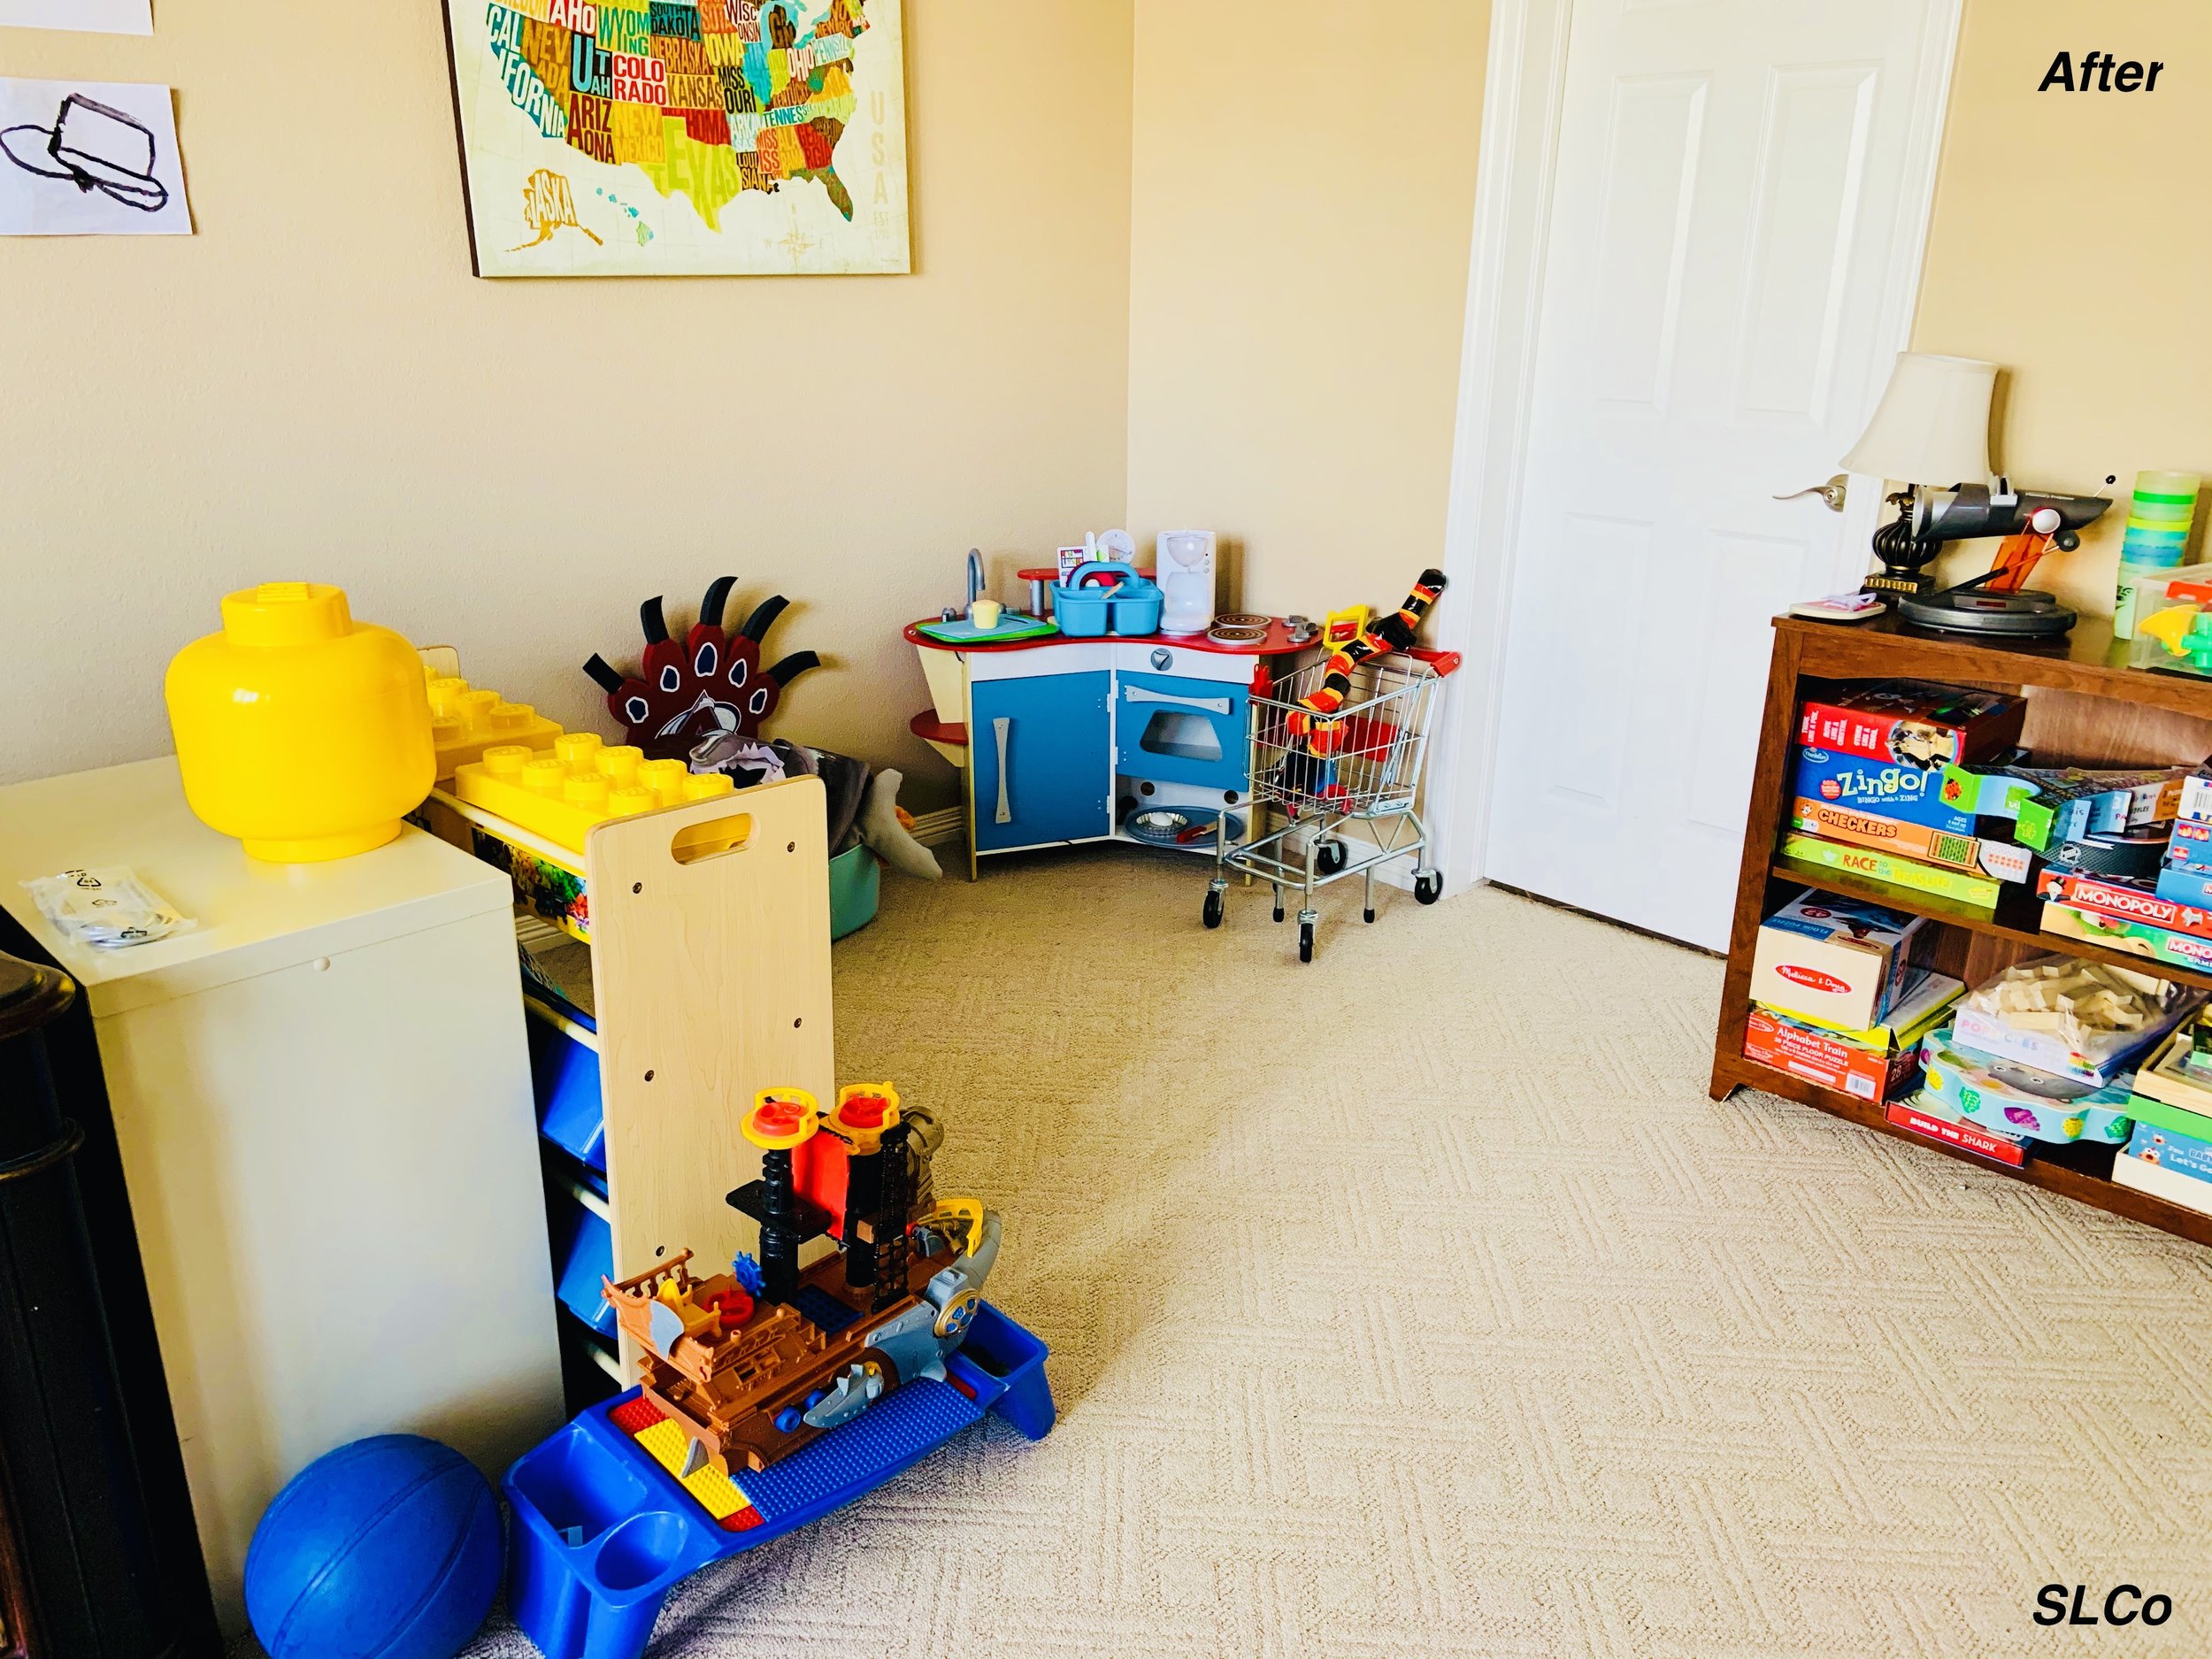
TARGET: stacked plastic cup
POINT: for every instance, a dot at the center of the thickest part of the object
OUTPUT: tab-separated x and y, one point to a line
2157	538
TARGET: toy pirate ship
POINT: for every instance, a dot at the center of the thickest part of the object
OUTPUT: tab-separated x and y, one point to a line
755	1363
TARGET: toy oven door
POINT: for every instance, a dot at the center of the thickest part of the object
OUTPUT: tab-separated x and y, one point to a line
1170	729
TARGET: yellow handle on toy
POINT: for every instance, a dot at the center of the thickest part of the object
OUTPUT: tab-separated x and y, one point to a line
968	1212
1343	627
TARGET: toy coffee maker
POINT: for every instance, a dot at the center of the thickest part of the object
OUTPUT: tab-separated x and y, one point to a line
1184	566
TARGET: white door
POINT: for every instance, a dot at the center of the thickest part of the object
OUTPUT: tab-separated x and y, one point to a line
1734	177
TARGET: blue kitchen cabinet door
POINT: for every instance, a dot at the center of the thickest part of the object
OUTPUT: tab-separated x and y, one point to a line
1057	744
1172	729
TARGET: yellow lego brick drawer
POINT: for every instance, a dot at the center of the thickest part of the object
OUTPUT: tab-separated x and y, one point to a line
560	793
466	720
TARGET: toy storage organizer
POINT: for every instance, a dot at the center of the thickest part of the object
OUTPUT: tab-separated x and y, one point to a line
709	980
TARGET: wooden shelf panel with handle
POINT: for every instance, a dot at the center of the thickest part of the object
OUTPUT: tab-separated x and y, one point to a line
2085	708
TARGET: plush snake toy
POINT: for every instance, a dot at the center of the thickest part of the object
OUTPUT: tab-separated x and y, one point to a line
1325	735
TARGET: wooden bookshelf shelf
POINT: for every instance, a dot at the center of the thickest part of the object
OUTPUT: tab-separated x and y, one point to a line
2081	1172
2015	917
2085	707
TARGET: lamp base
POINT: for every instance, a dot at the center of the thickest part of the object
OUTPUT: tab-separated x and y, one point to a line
1971	609
1896	584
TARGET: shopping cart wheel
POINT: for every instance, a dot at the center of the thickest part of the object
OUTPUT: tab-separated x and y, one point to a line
1334	856
1305	941
1428	886
1214	907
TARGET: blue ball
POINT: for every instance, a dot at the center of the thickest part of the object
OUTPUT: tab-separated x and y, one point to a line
388	1549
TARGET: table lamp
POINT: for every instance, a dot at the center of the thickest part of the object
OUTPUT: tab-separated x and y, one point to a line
1932	427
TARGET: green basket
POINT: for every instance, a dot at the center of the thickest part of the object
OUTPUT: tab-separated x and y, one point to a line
856	887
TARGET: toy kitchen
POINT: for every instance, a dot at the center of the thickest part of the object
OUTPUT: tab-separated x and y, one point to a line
1113	707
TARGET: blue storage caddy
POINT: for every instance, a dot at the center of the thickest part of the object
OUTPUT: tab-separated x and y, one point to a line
602	1533
1088	612
564	1079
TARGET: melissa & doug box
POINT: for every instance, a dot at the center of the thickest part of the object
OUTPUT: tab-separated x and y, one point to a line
1841	961
1877	1065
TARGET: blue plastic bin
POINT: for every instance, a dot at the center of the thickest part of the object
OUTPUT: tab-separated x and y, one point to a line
1088	606
583	1254
565	1077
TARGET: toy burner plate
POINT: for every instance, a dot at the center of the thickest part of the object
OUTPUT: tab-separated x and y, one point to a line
2030	615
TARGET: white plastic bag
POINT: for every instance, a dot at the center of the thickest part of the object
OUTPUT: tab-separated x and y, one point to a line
109	907
2067	1015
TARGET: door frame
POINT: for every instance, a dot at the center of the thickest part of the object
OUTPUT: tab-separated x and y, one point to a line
1523	86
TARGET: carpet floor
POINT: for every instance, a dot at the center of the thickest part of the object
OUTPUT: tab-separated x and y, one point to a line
1418	1301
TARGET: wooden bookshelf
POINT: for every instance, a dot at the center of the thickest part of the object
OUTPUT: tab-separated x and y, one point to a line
2085	707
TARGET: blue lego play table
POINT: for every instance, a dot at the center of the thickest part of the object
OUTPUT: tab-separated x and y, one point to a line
602	1532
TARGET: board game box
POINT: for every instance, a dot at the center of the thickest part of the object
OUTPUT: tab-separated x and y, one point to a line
2124	901
2008	1098
2004	860
1888	790
2161	1182
1914	723
2184	875
1928	1119
2137	937
1871	865
2173	1150
2069	804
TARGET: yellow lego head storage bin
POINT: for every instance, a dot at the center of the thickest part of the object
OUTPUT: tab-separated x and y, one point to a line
302	732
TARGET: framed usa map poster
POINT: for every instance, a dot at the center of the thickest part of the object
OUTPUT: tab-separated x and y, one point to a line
682	137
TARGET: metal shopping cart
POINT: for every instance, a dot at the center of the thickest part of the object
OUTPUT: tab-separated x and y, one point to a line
1361	765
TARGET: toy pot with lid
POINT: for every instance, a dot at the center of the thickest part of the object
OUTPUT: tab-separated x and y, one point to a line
302	732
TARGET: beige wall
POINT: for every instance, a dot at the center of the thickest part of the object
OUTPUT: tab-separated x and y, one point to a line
2070	243
1297	283
1304	201
1268	345
314	385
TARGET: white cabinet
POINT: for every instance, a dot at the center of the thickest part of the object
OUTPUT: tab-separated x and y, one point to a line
322	1097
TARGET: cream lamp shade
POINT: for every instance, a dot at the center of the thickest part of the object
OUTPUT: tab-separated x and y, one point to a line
1932	426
